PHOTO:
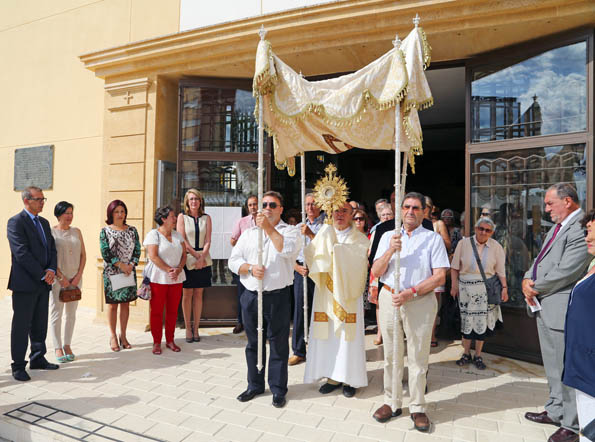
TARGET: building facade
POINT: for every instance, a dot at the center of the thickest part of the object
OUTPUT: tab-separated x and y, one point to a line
160	100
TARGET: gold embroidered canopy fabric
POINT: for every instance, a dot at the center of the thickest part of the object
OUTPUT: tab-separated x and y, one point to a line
354	110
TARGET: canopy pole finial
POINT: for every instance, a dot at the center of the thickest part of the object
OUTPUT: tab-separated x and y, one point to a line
397	42
416	20
262	32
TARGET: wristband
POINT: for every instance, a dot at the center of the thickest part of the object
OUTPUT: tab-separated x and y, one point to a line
414	292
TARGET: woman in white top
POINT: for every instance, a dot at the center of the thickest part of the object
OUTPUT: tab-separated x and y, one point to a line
195	226
165	248
71	263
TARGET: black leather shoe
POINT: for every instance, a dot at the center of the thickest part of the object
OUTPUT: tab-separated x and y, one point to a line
348	391
21	375
248	395
239	328
540	418
45	365
279	401
328	388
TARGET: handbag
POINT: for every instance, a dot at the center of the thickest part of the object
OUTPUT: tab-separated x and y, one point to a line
69	294
144	291
493	284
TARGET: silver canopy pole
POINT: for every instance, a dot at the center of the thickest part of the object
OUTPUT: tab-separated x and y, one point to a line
303	181
397	45
260	171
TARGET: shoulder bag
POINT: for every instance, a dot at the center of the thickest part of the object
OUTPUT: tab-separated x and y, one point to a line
493	284
144	291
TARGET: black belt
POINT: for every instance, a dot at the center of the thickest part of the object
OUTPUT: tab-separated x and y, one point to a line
271	292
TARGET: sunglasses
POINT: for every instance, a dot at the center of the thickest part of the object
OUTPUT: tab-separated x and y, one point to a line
358	218
483	229
485	213
272	205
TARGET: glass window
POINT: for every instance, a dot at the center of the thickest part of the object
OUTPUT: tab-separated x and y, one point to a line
543	95
225	185
511	186
218	120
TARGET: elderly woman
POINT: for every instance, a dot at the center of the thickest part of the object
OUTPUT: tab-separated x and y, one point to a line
120	249
71	263
579	336
166	250
478	318
195	227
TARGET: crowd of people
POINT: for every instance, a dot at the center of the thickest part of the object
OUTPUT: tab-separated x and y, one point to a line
346	264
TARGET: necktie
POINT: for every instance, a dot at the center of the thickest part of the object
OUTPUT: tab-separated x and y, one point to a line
42	235
543	250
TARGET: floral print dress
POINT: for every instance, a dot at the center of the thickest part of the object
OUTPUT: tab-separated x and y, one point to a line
118	246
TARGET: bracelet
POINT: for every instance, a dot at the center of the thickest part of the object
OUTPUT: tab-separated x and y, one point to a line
414	292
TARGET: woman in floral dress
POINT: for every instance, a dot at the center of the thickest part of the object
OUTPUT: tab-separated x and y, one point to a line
120	249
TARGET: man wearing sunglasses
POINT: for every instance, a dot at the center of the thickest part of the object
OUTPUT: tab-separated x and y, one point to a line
314	222
424	263
562	261
280	248
34	264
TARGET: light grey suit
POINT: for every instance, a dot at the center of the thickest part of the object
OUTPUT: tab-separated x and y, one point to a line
562	265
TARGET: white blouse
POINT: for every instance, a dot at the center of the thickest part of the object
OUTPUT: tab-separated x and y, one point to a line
169	252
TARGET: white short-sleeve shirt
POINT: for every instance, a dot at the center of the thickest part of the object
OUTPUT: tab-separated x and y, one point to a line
421	252
169	252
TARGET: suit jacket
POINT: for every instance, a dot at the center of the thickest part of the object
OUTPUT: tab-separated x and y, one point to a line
30	259
563	264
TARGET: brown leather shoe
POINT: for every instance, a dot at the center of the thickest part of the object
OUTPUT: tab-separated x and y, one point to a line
384	413
294	360
564	435
420	422
541	418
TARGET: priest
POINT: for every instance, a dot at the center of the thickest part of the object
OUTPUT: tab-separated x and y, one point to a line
337	261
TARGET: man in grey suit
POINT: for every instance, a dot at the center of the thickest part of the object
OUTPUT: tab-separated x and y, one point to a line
561	262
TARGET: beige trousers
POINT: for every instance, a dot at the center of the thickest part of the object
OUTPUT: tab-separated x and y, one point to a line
414	320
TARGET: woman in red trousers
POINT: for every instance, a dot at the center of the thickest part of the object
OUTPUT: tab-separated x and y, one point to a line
165	248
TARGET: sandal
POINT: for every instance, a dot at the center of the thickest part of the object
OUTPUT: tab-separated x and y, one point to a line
112	346
465	359
479	363
124	343
156	349
62	359
172	346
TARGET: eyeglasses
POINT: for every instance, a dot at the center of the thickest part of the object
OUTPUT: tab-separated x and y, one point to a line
272	205
483	229
485	213
358	218
408	207
38	199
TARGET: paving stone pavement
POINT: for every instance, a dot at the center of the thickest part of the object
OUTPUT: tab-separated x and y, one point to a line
190	396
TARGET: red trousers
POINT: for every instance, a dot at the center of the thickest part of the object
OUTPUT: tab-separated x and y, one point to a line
168	296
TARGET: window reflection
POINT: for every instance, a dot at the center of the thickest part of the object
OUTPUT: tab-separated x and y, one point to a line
543	95
512	186
218	120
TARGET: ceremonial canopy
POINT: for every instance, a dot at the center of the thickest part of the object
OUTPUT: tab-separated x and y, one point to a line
354	110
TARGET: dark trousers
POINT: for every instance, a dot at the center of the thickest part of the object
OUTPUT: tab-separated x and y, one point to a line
276	313
240	286
29	319
298	344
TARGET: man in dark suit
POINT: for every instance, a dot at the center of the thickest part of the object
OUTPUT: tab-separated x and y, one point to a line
562	261
34	263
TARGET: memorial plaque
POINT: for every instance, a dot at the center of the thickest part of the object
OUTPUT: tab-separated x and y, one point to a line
34	166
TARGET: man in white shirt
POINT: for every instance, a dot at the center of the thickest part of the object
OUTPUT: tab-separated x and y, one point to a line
424	263
313	224
280	248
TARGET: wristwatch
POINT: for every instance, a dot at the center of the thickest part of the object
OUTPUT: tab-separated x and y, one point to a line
250	270
414	292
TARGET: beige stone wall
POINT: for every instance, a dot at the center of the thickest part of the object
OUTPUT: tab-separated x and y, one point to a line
50	98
